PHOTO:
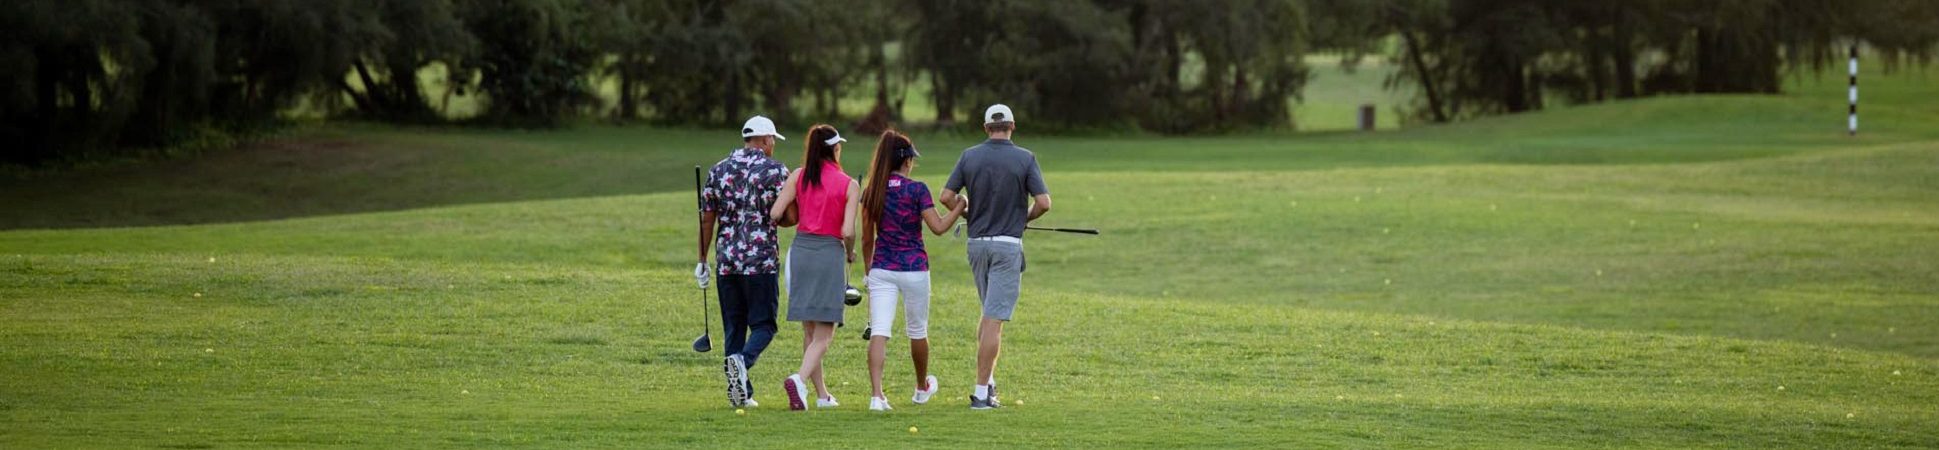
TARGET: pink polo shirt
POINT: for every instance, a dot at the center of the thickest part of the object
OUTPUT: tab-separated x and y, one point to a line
822	206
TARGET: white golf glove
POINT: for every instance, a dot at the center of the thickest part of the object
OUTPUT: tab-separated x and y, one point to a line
700	274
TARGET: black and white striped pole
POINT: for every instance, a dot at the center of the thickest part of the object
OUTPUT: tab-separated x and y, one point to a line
1851	122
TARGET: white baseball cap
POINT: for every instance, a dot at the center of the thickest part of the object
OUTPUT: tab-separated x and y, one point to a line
760	126
998	113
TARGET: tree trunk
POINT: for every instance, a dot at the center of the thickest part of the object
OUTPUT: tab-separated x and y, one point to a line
1434	105
628	89
945	100
1623	57
377	103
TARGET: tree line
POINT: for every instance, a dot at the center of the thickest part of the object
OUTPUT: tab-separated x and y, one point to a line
96	76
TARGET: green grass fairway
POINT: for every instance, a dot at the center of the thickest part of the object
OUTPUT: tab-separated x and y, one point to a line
1728	271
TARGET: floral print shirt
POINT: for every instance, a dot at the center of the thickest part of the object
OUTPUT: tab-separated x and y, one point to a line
898	243
740	190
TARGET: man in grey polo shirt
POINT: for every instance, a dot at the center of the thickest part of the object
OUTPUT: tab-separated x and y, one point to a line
1010	192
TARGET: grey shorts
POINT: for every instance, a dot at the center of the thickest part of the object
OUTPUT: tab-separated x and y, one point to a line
998	268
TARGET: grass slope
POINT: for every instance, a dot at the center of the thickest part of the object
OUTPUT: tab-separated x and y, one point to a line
1682	272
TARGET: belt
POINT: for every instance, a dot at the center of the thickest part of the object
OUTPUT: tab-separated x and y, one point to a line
1009	239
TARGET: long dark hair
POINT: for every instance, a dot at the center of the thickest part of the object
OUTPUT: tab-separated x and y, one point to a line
891	152
819	151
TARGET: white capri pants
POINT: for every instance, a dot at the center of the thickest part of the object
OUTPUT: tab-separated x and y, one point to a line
884	286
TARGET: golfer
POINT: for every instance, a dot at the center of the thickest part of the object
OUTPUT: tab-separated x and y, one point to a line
818	260
1010	192
737	197
894	210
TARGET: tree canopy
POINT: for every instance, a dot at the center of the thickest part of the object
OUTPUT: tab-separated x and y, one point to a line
98	76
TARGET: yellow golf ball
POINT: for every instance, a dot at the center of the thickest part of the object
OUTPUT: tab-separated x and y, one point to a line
912	430
740	412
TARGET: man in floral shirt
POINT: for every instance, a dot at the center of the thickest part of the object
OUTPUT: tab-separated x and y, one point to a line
737	196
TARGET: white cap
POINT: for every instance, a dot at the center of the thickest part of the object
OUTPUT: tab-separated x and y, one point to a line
998	113
760	126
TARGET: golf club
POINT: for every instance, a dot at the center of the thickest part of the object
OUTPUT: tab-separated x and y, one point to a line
1064	230
704	343
958	230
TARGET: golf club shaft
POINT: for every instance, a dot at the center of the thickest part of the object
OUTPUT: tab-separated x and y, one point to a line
700	211
1064	230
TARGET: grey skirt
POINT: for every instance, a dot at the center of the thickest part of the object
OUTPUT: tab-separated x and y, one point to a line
816	278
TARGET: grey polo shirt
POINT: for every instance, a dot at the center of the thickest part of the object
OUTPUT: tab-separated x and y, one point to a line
1001	178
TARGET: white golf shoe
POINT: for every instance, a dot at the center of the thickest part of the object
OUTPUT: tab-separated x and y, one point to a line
736	373
921	397
879	404
827	402
797	393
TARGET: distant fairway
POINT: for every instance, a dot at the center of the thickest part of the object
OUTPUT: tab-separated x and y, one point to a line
1723	271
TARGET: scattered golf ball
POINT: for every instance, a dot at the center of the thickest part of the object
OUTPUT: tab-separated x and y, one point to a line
211	259
1386	230
1780	387
1851	415
741	412
1294	203
198	295
1895	373
912	430
1018	402
1339	397
1154	398
1388	281
1599	272
844	383
464	391
208	350
1696	225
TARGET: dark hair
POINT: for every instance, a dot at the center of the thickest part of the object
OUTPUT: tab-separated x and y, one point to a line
891	152
999	127
819	151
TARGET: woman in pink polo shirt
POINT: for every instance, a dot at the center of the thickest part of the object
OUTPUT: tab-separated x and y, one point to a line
826	200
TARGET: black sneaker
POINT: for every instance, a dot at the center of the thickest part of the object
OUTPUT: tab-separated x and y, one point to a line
978	404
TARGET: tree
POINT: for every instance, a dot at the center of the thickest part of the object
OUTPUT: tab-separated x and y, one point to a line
535	59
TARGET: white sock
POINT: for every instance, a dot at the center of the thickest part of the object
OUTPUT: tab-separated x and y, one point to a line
991	381
983	391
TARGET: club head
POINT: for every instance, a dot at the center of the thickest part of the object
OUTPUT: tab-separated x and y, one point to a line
867	332
852	296
703	344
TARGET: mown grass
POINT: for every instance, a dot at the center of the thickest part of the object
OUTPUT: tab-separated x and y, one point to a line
1684	272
